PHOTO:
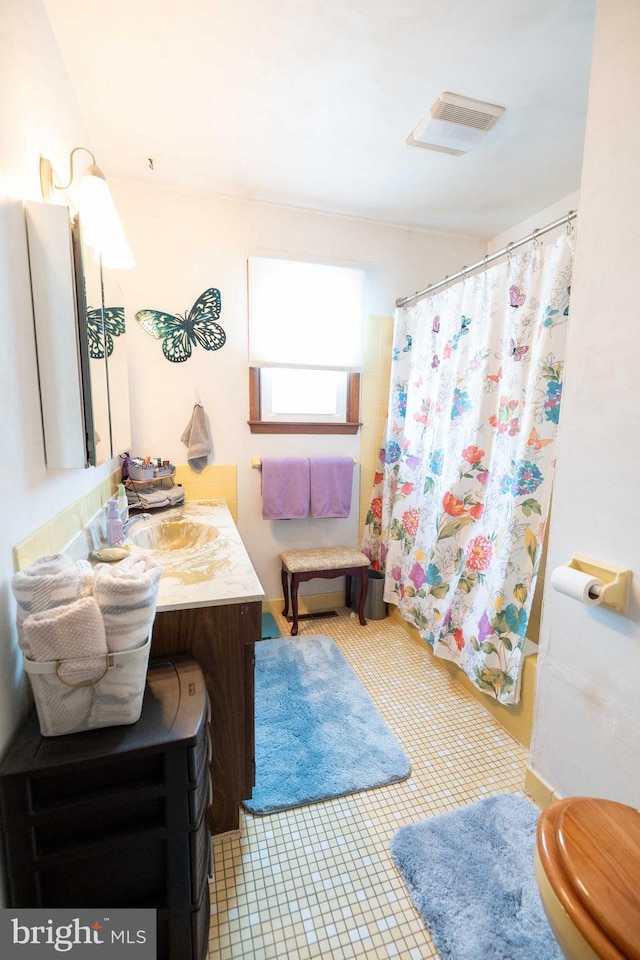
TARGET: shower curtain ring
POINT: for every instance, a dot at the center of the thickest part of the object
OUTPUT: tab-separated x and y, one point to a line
509	251
536	240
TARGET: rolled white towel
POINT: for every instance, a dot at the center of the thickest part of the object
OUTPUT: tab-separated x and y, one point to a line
47	584
124	567
50	563
127	594
69	632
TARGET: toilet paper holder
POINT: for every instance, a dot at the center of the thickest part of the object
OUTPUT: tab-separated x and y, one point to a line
615	590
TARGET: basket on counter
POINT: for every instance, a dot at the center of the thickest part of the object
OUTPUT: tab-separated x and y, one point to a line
89	692
147	471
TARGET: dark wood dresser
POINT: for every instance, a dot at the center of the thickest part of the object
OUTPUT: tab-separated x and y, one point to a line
117	816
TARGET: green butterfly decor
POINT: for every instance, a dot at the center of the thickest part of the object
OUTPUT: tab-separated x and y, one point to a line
178	333
102	327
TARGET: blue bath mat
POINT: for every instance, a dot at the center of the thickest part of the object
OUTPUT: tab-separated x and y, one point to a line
470	875
318	733
269	627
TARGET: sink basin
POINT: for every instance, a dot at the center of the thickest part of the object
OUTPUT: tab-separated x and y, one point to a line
173	534
187	548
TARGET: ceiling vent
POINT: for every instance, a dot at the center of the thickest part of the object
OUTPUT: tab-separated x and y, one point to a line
455	124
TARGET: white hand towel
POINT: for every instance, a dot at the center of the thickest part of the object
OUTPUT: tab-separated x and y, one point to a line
197	439
150	498
49	583
175	495
127	594
70	632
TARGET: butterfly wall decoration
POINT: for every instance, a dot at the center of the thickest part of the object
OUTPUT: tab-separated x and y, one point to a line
179	334
102	327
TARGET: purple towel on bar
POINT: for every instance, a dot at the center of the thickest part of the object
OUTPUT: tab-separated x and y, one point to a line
285	488
331	480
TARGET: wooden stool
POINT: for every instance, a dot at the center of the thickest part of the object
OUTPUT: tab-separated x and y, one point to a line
326	563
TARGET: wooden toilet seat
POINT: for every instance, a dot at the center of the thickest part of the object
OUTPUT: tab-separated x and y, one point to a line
590	852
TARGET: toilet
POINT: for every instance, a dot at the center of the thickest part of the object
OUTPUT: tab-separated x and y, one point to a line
587	866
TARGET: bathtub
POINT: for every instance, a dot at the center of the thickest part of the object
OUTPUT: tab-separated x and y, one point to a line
516	720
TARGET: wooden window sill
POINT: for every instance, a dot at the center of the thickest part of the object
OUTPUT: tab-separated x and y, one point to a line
351	424
264	426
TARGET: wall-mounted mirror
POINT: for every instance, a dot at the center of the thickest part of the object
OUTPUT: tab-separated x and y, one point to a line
80	336
117	367
97	361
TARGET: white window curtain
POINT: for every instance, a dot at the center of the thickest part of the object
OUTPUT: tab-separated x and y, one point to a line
304	314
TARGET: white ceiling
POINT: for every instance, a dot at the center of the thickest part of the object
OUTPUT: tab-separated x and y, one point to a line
308	102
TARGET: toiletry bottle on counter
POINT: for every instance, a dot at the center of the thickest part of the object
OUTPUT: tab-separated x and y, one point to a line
114	524
123	503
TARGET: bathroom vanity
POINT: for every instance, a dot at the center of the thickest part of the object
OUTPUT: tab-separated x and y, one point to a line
210	608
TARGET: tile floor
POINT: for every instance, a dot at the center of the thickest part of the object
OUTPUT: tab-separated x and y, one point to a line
318	881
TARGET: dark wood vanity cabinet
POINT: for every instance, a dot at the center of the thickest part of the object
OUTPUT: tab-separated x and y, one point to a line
221	638
116	817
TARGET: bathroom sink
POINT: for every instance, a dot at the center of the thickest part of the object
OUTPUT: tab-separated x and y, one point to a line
173	534
187	548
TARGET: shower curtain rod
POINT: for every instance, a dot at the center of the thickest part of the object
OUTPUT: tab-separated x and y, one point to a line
538	232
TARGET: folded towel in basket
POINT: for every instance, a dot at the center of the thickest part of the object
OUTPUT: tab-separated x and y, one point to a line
69	632
52	581
127	593
49	563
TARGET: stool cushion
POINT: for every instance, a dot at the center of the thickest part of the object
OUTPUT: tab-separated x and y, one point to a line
322	558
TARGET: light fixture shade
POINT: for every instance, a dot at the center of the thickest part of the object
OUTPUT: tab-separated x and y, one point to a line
101	227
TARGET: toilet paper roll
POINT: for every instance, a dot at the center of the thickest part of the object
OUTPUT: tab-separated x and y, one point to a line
577	585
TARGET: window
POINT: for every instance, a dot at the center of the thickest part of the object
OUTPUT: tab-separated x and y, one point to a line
305	341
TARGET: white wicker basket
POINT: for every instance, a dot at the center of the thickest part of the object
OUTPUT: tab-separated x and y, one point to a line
90	692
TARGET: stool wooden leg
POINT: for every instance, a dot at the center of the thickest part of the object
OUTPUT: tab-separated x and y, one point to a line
364	586
347	592
294	604
285	590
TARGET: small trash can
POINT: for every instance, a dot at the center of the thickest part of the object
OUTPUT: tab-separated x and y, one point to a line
374	606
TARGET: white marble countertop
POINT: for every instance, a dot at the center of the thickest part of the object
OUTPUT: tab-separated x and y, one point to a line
211	567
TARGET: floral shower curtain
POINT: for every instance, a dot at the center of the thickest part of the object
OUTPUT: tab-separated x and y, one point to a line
461	495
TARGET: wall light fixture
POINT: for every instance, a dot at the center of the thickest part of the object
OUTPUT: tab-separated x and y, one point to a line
101	227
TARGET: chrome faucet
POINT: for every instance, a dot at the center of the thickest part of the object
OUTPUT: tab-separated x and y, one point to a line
129	523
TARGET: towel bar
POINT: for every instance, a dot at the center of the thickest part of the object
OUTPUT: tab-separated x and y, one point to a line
256	462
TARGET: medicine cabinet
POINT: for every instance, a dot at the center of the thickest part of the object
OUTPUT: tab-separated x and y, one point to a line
80	340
